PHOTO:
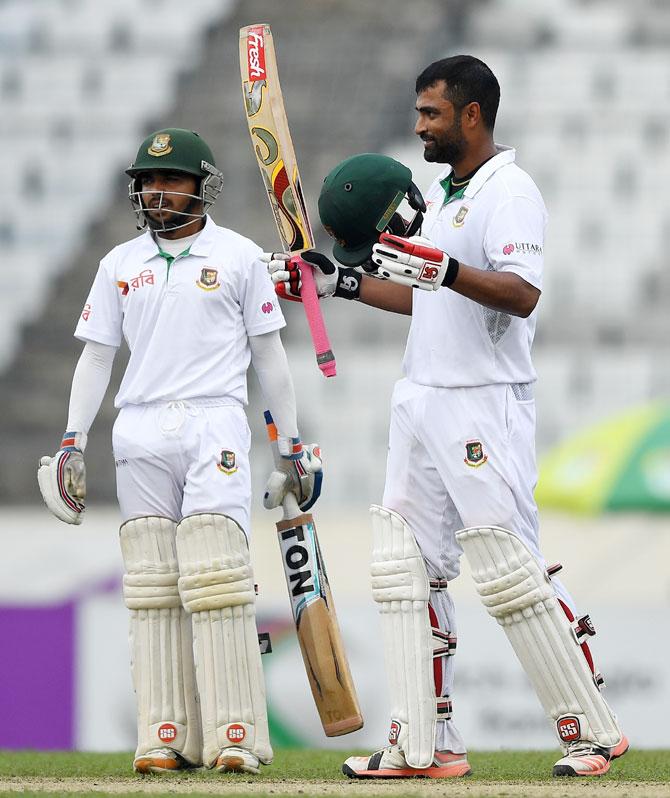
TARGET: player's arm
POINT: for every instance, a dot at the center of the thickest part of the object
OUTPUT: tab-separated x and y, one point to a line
62	478
502	291
298	466
338	281
386	295
416	263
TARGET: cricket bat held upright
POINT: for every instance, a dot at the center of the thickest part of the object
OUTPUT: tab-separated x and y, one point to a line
273	147
316	622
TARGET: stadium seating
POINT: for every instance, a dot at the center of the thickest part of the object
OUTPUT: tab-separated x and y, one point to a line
585	100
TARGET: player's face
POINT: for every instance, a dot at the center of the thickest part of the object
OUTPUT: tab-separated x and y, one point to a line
167	196
439	126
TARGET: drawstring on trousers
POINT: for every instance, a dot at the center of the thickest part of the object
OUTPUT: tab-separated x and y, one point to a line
173	416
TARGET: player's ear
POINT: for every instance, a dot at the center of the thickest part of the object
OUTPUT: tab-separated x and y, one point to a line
471	114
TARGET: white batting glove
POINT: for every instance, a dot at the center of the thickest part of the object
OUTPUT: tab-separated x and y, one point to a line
302	477
284	274
298	470
62	479
414	261
331	280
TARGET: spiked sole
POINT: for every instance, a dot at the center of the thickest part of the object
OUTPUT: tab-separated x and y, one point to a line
155	766
409	773
232	763
620	749
599	766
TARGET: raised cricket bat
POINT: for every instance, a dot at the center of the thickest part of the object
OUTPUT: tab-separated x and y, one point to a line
315	619
271	140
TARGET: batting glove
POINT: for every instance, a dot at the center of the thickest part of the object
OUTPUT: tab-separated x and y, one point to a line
62	479
298	470
331	280
414	262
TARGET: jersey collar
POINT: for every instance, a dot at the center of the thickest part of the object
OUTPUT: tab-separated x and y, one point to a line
505	155
203	244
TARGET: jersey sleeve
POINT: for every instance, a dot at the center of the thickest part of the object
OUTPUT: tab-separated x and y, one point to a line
101	319
514	240
260	304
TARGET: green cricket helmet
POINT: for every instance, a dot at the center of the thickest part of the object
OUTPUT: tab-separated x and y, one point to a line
358	202
175	150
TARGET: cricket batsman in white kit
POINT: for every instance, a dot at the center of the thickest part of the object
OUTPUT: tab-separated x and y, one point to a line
461	465
195	305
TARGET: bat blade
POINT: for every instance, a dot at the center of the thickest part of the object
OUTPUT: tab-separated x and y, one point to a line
317	627
314	614
273	147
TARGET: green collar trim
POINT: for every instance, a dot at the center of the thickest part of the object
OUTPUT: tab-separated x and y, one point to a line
170	259
446	185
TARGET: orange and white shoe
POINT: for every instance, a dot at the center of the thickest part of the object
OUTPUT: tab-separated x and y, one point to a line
390	763
583	759
160	760
237	760
620	749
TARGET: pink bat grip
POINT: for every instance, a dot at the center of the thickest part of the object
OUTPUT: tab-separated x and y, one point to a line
310	301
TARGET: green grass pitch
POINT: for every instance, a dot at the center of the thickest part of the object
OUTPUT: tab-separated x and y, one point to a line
313	772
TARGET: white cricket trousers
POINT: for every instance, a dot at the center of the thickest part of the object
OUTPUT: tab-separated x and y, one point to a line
175	459
461	457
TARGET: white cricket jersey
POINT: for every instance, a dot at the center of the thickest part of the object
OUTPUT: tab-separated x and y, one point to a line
187	322
497	224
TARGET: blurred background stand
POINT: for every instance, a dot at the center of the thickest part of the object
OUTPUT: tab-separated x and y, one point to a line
586	102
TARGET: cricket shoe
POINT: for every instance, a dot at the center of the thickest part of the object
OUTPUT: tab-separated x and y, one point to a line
391	763
583	759
620	749
160	760
237	760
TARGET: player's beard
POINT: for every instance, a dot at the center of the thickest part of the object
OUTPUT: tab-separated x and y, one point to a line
171	219
449	147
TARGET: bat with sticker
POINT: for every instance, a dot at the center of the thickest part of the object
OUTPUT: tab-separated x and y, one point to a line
273	147
315	619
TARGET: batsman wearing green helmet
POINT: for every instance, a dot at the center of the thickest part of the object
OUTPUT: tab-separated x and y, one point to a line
182	152
195	306
461	463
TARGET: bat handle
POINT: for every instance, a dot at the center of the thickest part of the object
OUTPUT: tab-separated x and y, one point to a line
291	507
310	301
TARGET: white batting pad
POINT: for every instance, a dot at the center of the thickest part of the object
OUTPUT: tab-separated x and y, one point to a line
160	640
518	593
216	585
401	587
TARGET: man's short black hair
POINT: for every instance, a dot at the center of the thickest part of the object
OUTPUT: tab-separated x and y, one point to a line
467	80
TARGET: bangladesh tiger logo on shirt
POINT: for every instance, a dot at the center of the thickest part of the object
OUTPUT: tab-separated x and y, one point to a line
459	219
474	454
227	463
208	279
